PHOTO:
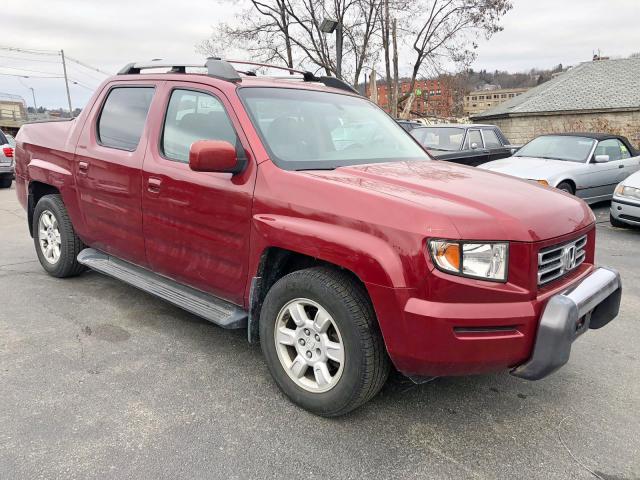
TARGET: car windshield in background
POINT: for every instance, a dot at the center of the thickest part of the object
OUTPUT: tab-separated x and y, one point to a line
305	130
558	147
440	138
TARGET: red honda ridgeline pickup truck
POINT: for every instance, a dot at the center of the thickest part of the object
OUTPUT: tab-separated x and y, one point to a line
299	210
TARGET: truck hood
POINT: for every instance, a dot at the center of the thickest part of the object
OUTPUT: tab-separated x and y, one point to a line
480	205
530	167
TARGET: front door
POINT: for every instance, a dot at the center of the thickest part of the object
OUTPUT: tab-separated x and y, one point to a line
474	153
494	146
604	176
196	224
108	167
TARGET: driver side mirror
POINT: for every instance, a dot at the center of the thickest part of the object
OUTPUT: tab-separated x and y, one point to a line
214	156
602	158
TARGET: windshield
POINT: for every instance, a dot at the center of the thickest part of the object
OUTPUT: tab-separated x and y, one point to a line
556	147
305	129
440	138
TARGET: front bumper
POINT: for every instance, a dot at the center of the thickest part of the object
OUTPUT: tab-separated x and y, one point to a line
592	303
625	211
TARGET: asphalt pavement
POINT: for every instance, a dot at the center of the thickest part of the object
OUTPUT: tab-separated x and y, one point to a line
100	380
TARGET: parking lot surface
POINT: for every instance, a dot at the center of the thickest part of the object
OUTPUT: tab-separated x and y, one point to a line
100	380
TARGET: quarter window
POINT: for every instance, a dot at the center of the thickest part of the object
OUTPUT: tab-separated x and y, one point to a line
193	116
123	116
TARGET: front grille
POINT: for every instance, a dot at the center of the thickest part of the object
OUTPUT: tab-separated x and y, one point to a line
554	262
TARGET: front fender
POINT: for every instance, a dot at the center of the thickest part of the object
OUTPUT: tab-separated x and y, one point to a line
370	257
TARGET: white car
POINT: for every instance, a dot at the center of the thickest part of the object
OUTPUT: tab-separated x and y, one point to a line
7	144
625	205
587	165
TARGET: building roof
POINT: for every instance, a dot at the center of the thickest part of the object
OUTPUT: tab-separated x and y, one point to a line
594	86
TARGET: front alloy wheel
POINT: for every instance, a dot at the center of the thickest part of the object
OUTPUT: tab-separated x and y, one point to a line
309	345
320	337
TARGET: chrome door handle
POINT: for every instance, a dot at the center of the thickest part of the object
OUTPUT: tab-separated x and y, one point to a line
153	184
83	167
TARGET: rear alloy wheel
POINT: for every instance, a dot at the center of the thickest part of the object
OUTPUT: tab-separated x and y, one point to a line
321	341
56	242
566	187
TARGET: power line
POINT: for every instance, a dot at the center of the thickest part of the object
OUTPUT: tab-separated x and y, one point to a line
86	66
26	59
31	51
25	70
27	76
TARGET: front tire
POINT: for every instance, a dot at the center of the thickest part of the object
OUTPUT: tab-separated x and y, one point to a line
56	242
321	341
617	223
566	187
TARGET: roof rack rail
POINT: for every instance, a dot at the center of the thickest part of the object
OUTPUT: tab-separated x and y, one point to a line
224	70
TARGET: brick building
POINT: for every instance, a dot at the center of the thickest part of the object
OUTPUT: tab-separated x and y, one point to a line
433	97
598	96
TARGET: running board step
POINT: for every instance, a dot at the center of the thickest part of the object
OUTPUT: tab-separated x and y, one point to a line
209	307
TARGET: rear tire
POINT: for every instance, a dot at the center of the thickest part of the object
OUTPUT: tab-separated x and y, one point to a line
6	182
566	187
294	347
617	223
56	242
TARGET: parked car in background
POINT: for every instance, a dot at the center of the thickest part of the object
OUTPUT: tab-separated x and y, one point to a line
588	165
470	145
625	205
409	125
7	144
301	211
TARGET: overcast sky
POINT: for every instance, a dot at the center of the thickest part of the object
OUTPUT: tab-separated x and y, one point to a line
109	34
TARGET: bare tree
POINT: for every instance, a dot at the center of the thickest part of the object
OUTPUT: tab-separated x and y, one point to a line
447	29
288	31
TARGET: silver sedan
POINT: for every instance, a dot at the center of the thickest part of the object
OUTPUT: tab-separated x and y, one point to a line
625	206
586	165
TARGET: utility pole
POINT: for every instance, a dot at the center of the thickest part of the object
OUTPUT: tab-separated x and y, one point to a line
35	105
66	82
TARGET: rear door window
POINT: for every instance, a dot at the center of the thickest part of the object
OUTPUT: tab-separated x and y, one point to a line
123	116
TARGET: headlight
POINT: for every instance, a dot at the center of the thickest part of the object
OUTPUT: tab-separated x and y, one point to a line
486	261
623	191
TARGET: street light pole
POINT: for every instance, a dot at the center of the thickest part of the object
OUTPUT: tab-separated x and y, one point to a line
339	50
66	82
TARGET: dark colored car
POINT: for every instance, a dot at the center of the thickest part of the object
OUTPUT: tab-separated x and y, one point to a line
409	125
470	145
305	214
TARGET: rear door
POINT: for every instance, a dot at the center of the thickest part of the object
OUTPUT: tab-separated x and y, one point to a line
494	145
108	166
196	224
